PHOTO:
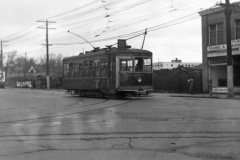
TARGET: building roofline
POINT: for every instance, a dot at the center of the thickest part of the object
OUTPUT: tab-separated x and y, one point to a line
215	9
210	11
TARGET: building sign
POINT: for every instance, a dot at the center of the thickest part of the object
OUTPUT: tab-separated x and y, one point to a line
24	84
217	47
220	90
235	44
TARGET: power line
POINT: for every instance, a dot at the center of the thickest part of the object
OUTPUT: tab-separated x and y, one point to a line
136	33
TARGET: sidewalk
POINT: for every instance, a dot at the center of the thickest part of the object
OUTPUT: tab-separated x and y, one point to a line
220	96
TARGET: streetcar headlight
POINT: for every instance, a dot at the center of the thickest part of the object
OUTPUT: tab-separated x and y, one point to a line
139	80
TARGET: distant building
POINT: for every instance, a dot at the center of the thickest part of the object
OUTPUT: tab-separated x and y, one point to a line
214	53
173	64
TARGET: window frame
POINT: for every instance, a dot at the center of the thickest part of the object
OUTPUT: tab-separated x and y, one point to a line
237	27
217	31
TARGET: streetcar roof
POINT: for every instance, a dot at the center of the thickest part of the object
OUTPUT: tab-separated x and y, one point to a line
104	51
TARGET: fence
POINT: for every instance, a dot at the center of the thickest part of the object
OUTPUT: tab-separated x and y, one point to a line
176	80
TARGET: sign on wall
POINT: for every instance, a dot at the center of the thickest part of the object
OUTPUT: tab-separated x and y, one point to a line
220	90
235	44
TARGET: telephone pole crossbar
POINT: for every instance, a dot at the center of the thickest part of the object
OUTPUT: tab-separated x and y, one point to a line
47	49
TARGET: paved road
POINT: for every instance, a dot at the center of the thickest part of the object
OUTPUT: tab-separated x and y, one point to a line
37	124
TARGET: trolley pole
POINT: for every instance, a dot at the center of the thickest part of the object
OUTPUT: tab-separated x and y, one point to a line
47	51
145	33
228	12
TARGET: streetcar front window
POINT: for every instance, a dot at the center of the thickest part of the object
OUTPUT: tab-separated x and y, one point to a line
126	65
147	65
143	64
138	64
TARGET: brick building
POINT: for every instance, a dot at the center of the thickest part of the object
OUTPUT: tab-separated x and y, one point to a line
214	53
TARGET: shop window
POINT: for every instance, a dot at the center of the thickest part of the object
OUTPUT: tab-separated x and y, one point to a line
222	82
236	74
216	34
237	29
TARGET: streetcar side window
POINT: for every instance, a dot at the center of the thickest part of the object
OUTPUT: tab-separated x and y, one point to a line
80	70
66	69
71	70
76	66
147	65
90	63
126	64
85	69
104	69
91	69
96	62
86	63
97	68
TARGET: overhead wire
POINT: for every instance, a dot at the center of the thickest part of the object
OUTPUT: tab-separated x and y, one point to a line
114	2
112	28
133	21
140	32
123	25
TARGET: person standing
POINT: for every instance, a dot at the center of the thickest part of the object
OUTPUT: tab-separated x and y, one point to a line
210	87
190	85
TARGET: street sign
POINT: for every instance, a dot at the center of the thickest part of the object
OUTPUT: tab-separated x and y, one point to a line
31	69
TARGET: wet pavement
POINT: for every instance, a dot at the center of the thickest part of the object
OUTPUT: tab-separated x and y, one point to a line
38	124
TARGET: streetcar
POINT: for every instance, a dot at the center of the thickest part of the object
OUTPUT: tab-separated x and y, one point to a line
110	71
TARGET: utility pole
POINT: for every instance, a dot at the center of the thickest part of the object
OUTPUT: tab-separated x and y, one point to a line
47	51
230	85
25	65
2	57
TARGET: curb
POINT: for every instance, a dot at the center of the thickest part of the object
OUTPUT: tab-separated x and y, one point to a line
199	96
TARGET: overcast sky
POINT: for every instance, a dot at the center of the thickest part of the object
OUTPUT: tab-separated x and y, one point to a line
174	26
